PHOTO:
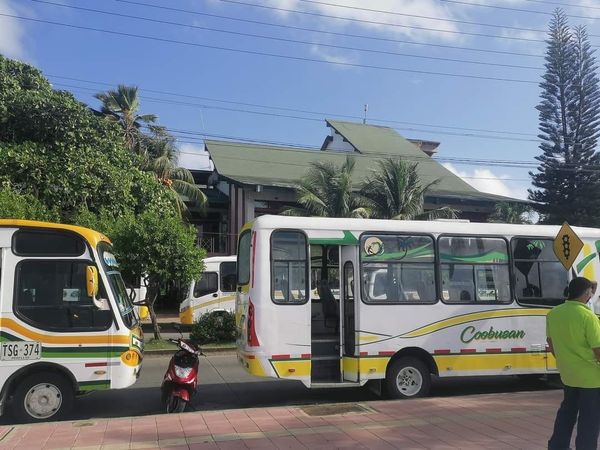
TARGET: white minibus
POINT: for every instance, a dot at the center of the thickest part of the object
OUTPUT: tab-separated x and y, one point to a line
214	291
67	325
338	302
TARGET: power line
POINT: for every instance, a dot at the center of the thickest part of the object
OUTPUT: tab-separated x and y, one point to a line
571	5
508	8
287	116
417	16
303	111
374	22
466	22
280	39
332	33
273	55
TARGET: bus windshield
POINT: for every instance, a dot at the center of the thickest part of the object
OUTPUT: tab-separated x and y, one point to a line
117	285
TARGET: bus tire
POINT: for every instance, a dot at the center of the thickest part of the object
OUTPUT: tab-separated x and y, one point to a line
408	378
42	396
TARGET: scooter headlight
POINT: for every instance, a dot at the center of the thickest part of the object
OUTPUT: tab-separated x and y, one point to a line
183	372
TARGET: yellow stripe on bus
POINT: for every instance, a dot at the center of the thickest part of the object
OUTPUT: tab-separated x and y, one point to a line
212	302
492	361
53	339
588	271
292	368
471	317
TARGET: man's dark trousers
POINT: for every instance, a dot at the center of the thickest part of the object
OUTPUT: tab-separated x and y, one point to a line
582	402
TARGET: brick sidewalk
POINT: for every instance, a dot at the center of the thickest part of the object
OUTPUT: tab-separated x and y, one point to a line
497	421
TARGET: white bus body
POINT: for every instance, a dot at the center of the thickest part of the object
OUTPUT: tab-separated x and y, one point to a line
67	325
214	291
443	298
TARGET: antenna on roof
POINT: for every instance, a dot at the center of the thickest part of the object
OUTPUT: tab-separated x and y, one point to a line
365	116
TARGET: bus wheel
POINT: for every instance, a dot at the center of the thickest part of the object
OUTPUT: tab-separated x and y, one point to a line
42	396
408	378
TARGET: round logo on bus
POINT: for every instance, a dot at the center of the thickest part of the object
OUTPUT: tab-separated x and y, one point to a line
373	246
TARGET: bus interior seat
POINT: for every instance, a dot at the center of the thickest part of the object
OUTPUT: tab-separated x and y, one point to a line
330	307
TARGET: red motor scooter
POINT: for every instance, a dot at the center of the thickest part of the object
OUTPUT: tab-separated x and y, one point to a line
181	379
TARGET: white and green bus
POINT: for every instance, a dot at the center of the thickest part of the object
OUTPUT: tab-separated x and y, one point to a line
339	302
67	325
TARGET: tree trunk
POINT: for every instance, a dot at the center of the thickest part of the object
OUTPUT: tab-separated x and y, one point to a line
151	296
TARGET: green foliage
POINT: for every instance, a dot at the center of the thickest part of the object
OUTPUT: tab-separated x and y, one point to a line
566	182
326	191
217	326
56	149
393	190
24	206
512	213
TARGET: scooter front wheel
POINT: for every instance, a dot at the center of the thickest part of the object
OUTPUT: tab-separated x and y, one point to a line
175	404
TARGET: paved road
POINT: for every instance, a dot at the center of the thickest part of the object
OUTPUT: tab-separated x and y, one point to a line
225	385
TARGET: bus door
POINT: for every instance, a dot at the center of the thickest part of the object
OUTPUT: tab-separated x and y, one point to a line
349	302
325	314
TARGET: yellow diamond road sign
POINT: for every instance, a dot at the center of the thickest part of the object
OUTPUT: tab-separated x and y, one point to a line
567	246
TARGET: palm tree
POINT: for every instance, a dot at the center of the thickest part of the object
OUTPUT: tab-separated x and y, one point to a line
326	191
162	160
393	191
122	105
507	212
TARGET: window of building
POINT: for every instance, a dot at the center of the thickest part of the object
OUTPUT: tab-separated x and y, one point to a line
228	275
540	279
47	243
52	295
397	268
474	270
208	284
289	267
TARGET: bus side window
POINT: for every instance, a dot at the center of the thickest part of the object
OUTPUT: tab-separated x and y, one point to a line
474	269
540	279
228	276
398	268
208	284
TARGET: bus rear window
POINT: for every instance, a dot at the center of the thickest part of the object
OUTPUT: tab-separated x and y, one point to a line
289	267
243	260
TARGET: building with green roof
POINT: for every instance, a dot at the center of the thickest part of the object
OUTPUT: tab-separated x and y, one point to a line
261	179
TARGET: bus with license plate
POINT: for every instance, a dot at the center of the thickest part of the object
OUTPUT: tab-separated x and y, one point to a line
67	325
213	291
337	302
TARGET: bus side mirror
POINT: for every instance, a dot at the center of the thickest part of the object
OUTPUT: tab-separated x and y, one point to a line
91	281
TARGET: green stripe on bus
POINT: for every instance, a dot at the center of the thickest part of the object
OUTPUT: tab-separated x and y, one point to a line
94	385
348	239
4	336
585	262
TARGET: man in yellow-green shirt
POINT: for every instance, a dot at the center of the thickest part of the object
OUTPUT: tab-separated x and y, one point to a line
573	332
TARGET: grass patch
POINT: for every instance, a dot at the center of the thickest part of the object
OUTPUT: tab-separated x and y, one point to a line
227	344
159	344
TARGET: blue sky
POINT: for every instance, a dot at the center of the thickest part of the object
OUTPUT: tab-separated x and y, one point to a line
225	93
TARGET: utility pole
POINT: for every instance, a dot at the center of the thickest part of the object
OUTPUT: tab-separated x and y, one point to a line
365	116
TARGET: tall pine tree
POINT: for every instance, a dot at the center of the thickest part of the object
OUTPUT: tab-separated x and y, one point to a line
568	177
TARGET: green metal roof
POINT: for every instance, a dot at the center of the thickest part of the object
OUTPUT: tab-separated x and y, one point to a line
285	166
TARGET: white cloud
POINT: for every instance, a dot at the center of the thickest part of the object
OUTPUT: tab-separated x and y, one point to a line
327	56
485	180
193	157
373	20
12	33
